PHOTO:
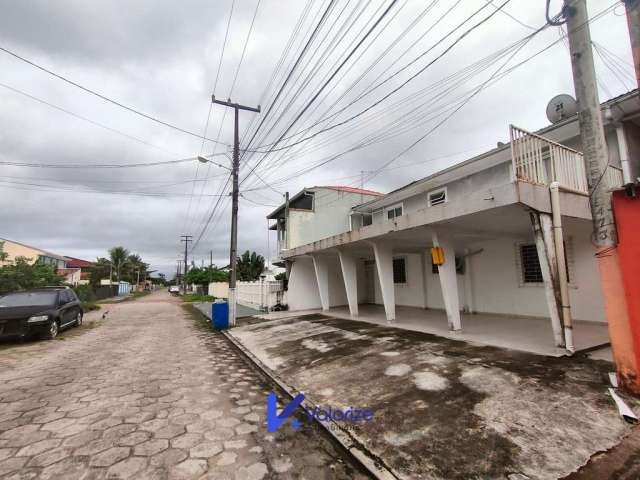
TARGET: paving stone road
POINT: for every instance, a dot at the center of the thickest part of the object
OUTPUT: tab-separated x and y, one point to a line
147	393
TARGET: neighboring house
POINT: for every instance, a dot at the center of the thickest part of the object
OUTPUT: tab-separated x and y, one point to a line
483	213
35	255
77	271
316	213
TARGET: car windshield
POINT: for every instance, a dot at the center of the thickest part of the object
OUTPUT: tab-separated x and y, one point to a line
28	299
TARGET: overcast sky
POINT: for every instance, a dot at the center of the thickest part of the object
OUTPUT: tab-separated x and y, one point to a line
162	58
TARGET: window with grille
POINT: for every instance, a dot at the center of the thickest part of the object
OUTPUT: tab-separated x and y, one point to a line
399	270
394	212
459	266
437	197
530	264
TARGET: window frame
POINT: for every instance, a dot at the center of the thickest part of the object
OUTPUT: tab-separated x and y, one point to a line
437	190
521	266
393	208
404	262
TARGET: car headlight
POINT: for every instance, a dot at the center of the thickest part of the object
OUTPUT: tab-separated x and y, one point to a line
38	319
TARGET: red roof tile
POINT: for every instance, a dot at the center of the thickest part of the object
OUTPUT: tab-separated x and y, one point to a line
78	263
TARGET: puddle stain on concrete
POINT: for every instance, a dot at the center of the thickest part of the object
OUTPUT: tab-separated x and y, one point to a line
459	410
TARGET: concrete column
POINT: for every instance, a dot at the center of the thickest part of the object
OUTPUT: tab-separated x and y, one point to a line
384	265
468	283
350	277
321	266
545	246
449	282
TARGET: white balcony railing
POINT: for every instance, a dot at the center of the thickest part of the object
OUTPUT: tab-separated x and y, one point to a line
613	177
541	161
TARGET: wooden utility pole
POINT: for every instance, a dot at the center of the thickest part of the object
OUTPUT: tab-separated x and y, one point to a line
596	162
186	239
233	255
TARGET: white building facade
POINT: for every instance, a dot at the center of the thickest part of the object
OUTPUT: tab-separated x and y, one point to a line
493	217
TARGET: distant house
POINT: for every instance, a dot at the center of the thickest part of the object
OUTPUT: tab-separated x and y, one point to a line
33	254
77	271
316	213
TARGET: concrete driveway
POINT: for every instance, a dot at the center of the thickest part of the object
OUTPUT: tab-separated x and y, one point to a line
146	393
445	409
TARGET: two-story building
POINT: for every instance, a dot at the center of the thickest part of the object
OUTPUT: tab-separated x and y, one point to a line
14	250
513	224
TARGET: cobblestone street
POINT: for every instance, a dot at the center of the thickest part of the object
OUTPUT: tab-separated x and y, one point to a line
146	393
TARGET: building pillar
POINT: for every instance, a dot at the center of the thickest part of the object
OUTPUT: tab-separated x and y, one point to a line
449	282
468	283
384	265
321	267
350	277
545	246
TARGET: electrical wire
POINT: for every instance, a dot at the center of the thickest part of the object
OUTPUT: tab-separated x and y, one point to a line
104	97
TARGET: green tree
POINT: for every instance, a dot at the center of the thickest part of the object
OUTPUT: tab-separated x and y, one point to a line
250	266
100	270
204	276
118	257
134	265
20	274
3	255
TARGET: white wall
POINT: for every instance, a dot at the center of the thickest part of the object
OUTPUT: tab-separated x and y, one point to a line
330	216
410	294
303	287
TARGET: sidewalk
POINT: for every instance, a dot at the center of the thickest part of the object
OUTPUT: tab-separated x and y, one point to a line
444	408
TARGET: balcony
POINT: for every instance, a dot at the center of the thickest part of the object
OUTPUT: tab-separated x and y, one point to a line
540	161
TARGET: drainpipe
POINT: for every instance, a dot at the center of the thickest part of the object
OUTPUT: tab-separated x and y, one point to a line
623	150
624	155
562	266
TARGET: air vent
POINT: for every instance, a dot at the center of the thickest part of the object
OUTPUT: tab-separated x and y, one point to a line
437	197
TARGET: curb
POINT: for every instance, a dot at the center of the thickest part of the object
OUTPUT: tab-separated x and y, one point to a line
373	464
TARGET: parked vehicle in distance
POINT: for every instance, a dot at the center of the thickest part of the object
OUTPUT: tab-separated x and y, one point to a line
42	312
174	289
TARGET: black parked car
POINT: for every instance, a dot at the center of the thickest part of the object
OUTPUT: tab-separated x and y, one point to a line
43	312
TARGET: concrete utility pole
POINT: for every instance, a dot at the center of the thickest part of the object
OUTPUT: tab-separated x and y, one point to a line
210	258
233	255
186	239
633	20
596	162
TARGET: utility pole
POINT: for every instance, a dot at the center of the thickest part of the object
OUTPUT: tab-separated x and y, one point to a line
633	20
596	162
233	256
186	239
210	258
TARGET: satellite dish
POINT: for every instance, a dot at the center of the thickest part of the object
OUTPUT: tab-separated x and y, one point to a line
561	107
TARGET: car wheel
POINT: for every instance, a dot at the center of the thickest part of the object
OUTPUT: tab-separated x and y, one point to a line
79	319
53	330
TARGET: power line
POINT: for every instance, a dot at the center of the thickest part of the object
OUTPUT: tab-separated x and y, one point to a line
88	120
103	97
327	82
402	85
95	165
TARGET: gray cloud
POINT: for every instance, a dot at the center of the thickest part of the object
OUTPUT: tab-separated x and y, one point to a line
162	58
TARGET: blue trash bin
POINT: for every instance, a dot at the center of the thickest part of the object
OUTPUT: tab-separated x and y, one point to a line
220	315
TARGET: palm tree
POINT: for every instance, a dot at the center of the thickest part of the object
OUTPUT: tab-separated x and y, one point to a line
118	257
135	264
